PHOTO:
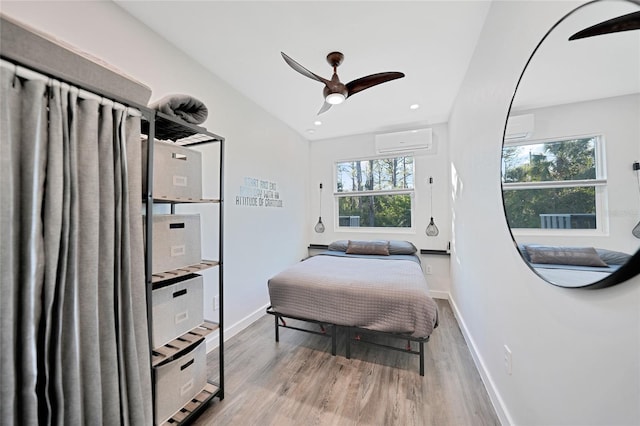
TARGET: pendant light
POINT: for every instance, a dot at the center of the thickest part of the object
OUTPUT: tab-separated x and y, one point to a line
319	228
432	229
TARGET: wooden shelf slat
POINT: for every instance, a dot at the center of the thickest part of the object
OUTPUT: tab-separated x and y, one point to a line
181	272
173	349
179	344
196	404
164	351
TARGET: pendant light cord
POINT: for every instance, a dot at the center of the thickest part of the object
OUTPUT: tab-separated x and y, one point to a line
319	228
636	229
432	229
431	193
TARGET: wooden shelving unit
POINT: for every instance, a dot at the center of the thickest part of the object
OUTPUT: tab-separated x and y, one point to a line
159	126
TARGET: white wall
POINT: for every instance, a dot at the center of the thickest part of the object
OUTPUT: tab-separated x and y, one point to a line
575	352
323	154
258	241
616	119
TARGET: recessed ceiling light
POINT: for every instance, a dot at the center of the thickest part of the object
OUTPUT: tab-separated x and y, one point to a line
414	106
311	130
318	123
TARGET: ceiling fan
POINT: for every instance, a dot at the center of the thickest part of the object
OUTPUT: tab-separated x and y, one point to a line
335	92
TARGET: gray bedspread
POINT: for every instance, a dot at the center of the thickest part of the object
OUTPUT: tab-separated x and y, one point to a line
387	295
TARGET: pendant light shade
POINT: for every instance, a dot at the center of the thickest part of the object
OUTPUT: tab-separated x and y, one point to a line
432	230
319	228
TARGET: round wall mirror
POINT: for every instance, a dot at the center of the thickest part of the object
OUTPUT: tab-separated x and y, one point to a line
570	178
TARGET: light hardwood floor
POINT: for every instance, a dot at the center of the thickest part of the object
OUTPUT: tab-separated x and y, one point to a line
298	382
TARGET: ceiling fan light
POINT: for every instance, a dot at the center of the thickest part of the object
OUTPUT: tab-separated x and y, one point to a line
335	98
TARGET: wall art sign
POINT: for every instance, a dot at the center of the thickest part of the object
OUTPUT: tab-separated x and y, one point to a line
255	192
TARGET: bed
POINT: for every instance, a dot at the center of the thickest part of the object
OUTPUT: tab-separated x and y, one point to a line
572	266
363	287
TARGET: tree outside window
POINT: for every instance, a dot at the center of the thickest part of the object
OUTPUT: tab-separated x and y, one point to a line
375	193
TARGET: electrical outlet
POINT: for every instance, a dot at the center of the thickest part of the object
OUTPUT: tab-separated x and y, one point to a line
428	270
507	359
216	303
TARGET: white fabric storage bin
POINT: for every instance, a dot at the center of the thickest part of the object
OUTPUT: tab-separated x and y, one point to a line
179	381
177	171
177	308
176	241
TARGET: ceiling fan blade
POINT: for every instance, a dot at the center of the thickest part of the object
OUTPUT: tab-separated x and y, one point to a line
302	70
628	22
325	107
360	84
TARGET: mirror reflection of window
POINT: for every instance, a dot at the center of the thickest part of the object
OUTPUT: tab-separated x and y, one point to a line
552	185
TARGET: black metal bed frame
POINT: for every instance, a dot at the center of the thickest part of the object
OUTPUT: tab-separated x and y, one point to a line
353	334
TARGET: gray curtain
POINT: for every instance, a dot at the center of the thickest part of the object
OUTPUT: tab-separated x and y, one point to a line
74	342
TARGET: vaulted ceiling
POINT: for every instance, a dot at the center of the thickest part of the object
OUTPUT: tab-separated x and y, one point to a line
432	42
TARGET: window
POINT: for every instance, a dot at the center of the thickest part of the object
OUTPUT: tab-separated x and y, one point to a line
375	193
556	184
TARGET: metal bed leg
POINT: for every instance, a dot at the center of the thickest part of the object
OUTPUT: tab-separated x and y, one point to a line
277	328
334	339
421	358
348	342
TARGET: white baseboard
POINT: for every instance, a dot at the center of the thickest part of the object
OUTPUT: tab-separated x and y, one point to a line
213	338
439	294
496	400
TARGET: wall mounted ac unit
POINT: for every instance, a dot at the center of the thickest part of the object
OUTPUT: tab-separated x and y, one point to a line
519	128
417	141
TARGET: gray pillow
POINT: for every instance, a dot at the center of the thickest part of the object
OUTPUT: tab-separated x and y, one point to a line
395	246
340	245
380	248
613	257
581	256
401	247
523	252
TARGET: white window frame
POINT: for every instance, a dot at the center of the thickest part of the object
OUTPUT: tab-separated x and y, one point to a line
371	229
600	184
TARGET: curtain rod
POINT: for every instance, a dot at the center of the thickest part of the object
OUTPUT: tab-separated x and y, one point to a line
30	68
30	74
